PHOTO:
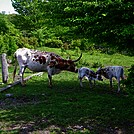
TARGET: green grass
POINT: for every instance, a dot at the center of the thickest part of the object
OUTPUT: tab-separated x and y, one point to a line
67	108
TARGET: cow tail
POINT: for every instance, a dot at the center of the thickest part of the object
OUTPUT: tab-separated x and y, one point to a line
15	68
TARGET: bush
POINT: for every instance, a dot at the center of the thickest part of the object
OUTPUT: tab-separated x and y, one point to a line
54	43
96	64
39	34
75	43
129	82
8	44
83	44
30	42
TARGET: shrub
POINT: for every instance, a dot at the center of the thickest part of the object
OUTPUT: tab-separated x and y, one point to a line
96	64
29	42
39	35
8	44
55	43
75	43
129	82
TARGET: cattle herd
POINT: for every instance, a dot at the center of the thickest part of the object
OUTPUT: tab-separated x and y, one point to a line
40	61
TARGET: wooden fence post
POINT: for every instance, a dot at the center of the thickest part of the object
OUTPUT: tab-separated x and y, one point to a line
4	68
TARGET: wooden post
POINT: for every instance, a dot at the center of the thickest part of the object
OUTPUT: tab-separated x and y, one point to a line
4	68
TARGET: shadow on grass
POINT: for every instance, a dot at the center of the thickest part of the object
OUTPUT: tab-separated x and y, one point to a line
65	108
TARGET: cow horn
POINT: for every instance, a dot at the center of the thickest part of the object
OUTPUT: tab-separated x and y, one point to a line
78	58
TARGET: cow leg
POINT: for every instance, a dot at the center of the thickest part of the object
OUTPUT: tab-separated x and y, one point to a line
122	77
94	83
21	73
90	84
111	85
118	86
118	80
49	71
50	80
81	82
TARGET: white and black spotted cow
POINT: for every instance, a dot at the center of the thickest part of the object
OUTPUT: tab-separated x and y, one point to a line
38	61
89	74
110	72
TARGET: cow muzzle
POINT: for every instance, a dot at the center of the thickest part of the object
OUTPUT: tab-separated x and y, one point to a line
99	77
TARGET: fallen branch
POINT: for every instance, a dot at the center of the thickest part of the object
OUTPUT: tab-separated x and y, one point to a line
17	82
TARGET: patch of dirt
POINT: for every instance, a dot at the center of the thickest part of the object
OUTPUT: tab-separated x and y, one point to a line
11	101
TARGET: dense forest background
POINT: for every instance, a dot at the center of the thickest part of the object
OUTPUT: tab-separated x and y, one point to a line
107	25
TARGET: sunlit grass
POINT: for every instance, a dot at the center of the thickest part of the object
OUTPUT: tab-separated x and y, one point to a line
66	107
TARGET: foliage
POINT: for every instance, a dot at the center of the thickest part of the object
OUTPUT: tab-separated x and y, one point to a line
85	24
129	82
53	43
8	36
100	22
6	27
8	44
79	22
30	12
29	42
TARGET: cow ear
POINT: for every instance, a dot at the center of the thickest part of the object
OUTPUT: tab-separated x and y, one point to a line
86	71
90	73
28	53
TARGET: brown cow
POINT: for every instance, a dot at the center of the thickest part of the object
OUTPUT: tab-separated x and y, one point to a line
38	61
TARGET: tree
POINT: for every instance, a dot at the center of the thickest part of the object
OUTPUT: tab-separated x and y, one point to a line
101	21
8	35
29	13
6	27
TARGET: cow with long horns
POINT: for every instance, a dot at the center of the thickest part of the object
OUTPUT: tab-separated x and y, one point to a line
40	61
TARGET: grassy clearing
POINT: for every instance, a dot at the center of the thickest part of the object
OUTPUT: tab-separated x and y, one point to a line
67	108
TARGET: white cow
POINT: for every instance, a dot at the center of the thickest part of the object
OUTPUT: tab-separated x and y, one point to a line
89	74
38	61
110	72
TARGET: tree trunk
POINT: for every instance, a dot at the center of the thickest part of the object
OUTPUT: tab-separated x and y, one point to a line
4	68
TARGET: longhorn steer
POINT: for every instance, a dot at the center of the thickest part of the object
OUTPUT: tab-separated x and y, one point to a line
110	72
38	61
88	74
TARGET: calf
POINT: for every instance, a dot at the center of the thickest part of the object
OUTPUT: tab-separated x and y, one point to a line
88	74
110	72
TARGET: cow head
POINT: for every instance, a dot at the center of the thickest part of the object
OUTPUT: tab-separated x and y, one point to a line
68	65
100	72
103	71
72	67
95	76
23	55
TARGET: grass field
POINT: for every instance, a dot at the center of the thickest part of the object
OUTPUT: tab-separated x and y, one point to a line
67	108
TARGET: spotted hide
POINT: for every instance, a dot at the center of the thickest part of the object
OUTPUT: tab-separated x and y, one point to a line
110	72
38	61
89	74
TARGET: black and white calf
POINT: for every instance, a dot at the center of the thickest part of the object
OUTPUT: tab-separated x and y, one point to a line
110	72
88	74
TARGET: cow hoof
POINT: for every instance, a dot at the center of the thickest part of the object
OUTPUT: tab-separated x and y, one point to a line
50	86
23	85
